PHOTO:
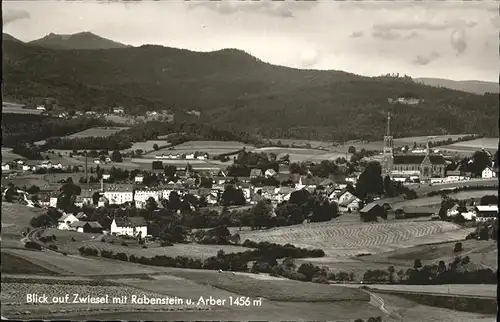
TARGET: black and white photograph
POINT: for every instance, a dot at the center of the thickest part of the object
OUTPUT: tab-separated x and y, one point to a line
236	160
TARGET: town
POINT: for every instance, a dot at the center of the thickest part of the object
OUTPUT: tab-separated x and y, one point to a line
208	161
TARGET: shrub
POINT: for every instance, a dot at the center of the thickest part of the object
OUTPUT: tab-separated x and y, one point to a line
458	247
106	254
124	244
320	280
52	246
417	263
166	243
111	241
54	237
73	239
121	257
103	240
144	246
33	245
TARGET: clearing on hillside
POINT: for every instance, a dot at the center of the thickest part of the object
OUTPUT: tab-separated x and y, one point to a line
8	155
210	147
97	132
490	144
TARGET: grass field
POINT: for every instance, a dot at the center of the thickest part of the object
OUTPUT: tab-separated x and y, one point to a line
407	310
340	241
478	251
488	290
12	264
300	154
490	144
147	146
188	250
20	110
97	132
8	155
210	147
16	217
435	200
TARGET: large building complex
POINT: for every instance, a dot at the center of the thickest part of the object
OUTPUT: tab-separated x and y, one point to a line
422	166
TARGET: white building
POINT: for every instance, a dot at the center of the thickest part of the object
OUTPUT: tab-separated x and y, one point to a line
46	164
5	167
119	194
139	179
53	202
65	221
488	173
142	196
270	173
132	226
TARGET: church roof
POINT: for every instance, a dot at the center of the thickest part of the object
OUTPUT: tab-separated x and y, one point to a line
417	159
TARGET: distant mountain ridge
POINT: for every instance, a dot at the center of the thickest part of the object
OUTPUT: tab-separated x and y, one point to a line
470	86
233	89
82	40
6	36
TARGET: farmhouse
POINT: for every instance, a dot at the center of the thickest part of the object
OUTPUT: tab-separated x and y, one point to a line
413	212
132	226
87	227
453	175
5	167
488	173
65	221
349	205
371	211
118	110
486	213
85	198
46	164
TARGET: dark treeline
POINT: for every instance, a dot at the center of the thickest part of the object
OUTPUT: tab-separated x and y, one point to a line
29	128
180	132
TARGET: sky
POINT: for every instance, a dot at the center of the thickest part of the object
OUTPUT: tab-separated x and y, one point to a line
444	39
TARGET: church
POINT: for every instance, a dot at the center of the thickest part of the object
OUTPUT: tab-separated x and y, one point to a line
410	166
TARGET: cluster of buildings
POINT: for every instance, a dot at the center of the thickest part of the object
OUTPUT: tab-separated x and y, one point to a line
477	213
21	165
184	156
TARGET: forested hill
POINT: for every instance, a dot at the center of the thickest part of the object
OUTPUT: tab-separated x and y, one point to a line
81	40
233	88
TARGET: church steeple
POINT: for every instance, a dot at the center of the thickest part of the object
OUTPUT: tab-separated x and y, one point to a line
388	153
388	131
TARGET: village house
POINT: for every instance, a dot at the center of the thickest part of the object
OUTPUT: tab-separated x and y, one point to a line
53	202
453	175
87	227
65	221
486	212
255	173
139	179
488	173
131	226
372	211
85	198
270	173
5	167
118	110
119	194
46	164
413	212
106	176
350	205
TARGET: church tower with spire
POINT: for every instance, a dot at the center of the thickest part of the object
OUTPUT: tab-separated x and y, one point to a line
388	151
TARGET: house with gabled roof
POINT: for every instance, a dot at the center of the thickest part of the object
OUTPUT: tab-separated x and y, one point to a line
270	173
87	227
130	226
65	221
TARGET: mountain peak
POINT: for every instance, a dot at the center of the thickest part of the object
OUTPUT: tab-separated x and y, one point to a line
81	40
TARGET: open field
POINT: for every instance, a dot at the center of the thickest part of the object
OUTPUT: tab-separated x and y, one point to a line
475	249
210	147
407	310
196	164
8	155
97	132
147	146
482	143
29	180
436	200
12	264
20	110
425	188
340	241
300	154
481	290
16	217
187	250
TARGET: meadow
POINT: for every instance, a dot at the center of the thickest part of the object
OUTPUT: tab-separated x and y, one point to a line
210	147
147	146
19	110
9	156
16	217
490	144
436	200
97	132
302	154
486	290
345	240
